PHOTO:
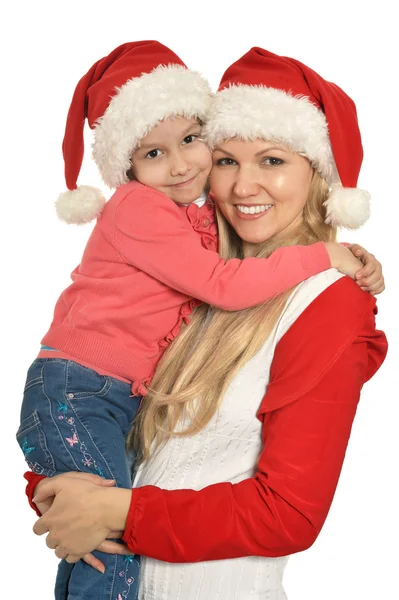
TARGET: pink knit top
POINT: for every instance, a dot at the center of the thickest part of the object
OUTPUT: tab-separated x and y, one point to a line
147	264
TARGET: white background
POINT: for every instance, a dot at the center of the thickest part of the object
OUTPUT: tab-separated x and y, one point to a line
46	48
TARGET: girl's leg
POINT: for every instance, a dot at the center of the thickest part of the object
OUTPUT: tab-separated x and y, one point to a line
74	419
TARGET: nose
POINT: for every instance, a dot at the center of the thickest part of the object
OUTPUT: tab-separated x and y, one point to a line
246	184
179	164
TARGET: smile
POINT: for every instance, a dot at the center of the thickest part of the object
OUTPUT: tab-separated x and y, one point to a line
253	210
184	183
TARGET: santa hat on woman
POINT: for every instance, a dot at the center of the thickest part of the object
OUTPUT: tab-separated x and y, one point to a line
123	96
279	99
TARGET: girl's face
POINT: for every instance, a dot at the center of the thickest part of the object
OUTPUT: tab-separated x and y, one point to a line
172	159
260	187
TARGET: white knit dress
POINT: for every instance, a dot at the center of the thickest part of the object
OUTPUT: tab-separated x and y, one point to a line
227	450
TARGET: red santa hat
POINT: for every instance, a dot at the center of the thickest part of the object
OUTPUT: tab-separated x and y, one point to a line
279	99
123	96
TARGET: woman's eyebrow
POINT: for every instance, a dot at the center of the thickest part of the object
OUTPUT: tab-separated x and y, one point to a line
268	149
216	149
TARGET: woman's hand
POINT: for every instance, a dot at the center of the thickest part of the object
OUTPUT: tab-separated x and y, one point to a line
107	546
46	504
82	515
370	277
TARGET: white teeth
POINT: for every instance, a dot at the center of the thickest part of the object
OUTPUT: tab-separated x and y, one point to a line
251	210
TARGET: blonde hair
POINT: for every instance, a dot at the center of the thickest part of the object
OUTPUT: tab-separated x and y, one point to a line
199	364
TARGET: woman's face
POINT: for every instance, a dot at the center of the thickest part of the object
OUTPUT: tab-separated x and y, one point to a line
260	187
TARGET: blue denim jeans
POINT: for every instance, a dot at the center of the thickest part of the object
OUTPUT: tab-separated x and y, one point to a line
74	419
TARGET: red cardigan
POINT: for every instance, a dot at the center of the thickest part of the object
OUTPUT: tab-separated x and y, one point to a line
317	373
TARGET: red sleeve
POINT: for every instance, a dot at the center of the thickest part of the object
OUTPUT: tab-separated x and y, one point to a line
32	479
152	234
307	420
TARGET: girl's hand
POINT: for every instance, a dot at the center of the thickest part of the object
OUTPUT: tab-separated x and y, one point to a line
341	258
369	277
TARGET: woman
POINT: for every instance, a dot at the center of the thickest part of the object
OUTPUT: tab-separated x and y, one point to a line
245	434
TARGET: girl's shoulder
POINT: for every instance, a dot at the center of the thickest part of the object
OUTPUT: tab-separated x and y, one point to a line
134	190
134	196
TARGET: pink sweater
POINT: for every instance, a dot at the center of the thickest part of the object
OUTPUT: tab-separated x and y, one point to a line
147	263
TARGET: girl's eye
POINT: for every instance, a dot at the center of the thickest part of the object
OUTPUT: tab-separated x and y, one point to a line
153	153
272	161
190	138
225	162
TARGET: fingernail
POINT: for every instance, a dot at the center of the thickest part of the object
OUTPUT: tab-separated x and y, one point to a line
101	570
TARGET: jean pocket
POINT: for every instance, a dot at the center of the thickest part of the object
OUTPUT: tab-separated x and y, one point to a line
33	443
82	382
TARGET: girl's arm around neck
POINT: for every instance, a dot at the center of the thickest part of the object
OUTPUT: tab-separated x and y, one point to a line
152	234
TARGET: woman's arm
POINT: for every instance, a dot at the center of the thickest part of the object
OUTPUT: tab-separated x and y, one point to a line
319	368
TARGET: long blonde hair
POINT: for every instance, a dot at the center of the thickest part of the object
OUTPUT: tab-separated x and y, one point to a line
199	364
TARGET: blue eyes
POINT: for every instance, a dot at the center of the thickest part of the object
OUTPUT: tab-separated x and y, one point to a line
270	161
273	161
225	162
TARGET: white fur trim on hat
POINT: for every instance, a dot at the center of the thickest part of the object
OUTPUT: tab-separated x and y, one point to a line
168	91
80	206
347	207
250	112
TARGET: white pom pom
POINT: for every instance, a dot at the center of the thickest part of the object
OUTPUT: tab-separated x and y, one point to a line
80	206
347	207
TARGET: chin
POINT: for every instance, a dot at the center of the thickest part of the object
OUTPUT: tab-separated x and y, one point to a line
189	196
253	237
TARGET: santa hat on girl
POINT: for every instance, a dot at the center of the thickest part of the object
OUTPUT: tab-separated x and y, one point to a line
123	96
279	99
